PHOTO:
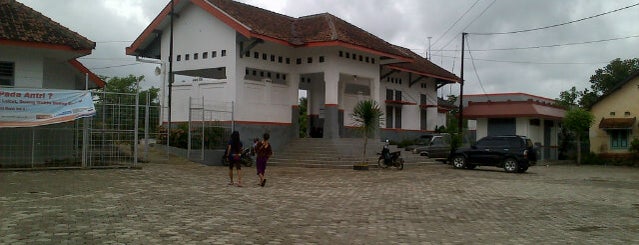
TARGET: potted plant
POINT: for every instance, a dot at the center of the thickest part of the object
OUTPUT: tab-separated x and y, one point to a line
367	115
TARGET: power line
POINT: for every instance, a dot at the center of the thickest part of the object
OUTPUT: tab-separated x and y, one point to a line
556	25
458	19
532	62
550	45
482	13
471	22
475	68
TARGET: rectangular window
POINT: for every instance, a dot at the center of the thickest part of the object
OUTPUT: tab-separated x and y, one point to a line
341	54
273	58
7	73
309	60
264	56
389	94
256	55
247	54
179	57
422	99
298	61
398	117
398	95
223	53
213	54
186	57
288	60
205	55
195	56
321	59
618	139
389	117
280	59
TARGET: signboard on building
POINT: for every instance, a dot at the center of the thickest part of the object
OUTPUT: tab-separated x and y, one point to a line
24	107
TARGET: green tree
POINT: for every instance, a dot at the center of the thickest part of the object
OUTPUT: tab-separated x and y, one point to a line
367	116
568	98
601	83
578	121
116	88
303	117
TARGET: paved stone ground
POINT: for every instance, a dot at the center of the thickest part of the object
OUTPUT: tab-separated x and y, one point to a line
185	203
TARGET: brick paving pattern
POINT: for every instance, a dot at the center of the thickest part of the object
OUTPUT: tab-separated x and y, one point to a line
423	204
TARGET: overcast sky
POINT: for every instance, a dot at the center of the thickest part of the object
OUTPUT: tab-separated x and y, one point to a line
114	24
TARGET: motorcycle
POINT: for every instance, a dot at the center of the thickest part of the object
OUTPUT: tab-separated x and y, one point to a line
387	158
245	158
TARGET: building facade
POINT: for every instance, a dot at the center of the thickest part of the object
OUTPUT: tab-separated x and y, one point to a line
615	119
523	114
260	61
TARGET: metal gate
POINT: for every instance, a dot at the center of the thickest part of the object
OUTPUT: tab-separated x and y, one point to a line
107	139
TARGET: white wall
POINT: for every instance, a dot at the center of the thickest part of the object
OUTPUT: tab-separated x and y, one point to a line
196	31
57	75
29	65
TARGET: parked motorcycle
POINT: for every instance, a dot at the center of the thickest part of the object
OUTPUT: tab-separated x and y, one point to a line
387	158
245	158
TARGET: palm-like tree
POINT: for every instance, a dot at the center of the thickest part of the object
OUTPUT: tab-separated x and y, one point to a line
367	116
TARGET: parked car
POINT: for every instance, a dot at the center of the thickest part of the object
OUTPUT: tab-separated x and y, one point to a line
438	148
423	140
513	153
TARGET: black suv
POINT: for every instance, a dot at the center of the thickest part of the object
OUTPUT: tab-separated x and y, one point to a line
513	153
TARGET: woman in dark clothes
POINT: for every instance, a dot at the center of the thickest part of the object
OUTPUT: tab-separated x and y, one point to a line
264	151
234	151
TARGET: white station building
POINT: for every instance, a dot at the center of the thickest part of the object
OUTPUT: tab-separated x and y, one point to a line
259	61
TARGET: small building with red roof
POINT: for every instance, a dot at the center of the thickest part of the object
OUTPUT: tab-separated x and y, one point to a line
535	117
260	60
615	124
37	52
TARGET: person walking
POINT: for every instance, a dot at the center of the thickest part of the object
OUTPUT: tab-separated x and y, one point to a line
264	151
234	153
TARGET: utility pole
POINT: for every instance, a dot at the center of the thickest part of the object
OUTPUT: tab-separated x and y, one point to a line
460	123
429	48
168	143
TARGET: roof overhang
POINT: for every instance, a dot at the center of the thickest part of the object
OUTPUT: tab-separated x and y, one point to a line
423	73
81	52
94	78
510	109
617	123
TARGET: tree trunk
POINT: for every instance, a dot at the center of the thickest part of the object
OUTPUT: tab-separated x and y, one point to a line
578	149
364	154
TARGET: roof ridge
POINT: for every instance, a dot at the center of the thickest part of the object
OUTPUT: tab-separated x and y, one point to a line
331	25
34	13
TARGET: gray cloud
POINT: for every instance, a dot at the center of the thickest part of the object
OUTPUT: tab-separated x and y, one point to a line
408	23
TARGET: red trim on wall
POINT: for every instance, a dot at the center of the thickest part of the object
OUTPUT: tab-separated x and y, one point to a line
407	130
149	29
330	105
295	106
208	7
43	46
239	122
399	102
77	65
422	73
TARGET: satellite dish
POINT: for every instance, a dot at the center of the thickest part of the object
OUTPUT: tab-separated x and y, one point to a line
158	70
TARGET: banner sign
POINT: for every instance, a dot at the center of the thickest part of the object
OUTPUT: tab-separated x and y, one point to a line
24	107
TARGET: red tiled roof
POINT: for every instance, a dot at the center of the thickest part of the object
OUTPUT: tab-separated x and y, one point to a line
617	123
512	109
423	66
22	25
314	30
